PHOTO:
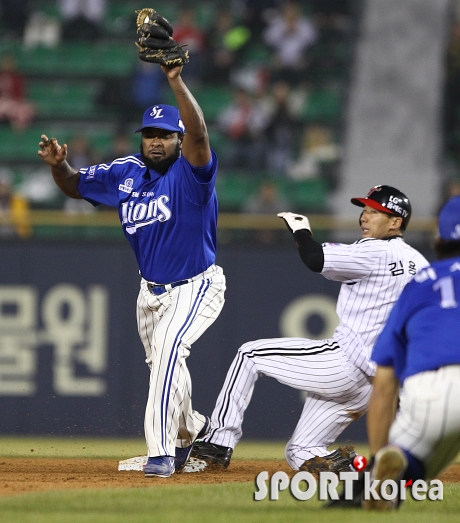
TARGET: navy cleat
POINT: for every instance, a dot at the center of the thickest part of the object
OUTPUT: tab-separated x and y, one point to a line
182	455
212	454
160	466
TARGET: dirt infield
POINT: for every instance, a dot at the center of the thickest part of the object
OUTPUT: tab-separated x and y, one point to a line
20	475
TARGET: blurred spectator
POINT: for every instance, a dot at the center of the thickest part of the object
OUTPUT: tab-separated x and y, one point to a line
282	129
42	30
453	189
13	105
331	15
225	44
319	156
14	16
39	189
14	210
130	96
187	32
80	154
267	200
452	89
147	84
114	94
82	19
290	34
122	146
253	78
256	13
243	122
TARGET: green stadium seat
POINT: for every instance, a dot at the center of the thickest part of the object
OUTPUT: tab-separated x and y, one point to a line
257	53
23	146
309	195
217	141
64	98
212	99
77	59
233	190
49	7
205	14
322	105
102	140
39	60
8	46
337	50
116	59
18	146
120	18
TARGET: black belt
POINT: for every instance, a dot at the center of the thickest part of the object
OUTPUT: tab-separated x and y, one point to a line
161	289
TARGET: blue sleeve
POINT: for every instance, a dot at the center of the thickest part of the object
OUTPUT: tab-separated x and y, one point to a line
98	184
206	173
199	182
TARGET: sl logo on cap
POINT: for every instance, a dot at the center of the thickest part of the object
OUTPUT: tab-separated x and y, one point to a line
455	234
156	112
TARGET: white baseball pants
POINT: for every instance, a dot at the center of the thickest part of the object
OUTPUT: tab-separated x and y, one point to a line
428	421
168	325
335	394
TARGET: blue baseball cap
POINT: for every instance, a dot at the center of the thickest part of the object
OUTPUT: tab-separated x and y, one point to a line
163	117
449	220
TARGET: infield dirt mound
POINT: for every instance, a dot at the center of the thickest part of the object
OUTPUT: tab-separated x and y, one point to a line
20	475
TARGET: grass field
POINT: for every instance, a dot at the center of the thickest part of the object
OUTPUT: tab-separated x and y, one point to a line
223	502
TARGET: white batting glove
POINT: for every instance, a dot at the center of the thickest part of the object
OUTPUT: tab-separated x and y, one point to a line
296	222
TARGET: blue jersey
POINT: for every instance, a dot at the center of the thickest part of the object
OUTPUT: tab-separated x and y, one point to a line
423	329
170	221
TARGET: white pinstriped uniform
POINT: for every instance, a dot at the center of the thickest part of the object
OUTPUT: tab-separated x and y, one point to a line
168	325
335	373
374	273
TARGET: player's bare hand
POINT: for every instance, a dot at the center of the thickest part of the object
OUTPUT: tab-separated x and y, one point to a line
295	222
172	72
51	152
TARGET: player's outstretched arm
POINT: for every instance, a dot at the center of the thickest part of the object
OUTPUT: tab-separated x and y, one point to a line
65	176
310	251
295	222
382	407
195	145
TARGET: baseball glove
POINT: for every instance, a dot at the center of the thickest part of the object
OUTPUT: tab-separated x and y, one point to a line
155	41
357	492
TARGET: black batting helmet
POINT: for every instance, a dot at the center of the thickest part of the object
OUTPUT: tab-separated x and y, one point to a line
387	199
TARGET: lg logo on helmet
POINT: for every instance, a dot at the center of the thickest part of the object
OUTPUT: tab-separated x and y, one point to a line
393	203
394	199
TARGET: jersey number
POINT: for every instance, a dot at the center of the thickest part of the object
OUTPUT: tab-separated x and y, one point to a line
446	287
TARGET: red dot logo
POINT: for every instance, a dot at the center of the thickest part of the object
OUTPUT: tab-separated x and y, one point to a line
359	463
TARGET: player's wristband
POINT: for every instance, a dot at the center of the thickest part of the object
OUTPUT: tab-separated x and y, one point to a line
310	251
